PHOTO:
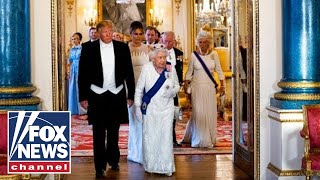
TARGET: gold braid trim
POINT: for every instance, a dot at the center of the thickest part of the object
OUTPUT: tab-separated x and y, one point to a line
17	90
20	102
279	172
292	96
302	84
315	150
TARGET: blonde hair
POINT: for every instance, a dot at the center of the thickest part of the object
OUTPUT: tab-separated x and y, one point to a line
105	23
204	35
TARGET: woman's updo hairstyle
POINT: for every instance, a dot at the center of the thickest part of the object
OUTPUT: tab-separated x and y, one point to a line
204	35
135	25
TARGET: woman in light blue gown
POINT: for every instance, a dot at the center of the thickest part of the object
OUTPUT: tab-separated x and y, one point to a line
73	63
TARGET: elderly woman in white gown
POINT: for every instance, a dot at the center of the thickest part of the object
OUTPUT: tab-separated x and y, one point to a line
158	118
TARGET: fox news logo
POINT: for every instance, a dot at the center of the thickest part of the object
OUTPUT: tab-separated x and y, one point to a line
39	142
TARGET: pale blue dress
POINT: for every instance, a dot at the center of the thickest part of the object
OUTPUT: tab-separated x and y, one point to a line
73	92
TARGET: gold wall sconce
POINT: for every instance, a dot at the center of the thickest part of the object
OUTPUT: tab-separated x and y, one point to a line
156	16
90	17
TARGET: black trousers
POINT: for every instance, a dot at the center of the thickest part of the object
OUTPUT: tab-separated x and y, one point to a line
105	152
105	112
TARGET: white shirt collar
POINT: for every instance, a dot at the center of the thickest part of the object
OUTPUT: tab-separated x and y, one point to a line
171	50
104	45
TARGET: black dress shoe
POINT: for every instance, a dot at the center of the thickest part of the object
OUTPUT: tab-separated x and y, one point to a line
100	174
115	167
176	144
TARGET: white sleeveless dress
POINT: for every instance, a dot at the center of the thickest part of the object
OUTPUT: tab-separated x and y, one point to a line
139	56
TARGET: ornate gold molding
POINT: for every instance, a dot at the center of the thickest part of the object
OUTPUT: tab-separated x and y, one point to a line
54	48
286	120
178	2
20	102
284	111
279	172
256	56
70	6
301	84
293	96
10	177
17	90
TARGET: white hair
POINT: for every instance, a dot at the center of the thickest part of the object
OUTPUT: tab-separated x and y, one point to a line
168	33
155	51
204	35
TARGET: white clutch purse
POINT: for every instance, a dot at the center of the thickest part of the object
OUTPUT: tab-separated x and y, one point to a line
189	89
178	113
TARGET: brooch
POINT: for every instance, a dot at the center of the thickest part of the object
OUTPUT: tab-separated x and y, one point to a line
144	106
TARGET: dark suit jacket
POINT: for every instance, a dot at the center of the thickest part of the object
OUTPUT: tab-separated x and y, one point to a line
90	68
86	43
179	69
179	64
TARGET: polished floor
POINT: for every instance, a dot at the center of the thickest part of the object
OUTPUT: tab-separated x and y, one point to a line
187	167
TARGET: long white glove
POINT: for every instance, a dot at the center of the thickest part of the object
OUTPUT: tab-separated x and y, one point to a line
170	93
245	87
138	114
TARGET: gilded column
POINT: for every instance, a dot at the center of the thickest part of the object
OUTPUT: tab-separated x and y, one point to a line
15	84
300	83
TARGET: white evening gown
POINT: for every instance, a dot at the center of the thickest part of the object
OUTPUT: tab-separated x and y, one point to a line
158	121
201	128
139	57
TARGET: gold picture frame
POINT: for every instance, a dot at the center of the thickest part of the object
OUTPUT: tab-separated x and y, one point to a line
118	11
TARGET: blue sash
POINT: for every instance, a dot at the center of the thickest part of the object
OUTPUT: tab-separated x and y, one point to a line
206	69
155	88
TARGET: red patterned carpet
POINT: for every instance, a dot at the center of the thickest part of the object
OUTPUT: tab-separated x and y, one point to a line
81	135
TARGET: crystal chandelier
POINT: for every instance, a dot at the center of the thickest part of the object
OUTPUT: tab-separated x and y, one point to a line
129	1
207	13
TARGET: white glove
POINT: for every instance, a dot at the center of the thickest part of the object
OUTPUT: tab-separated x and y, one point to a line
170	93
245	87
138	114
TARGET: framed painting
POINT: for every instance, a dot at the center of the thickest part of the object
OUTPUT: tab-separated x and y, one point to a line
123	14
